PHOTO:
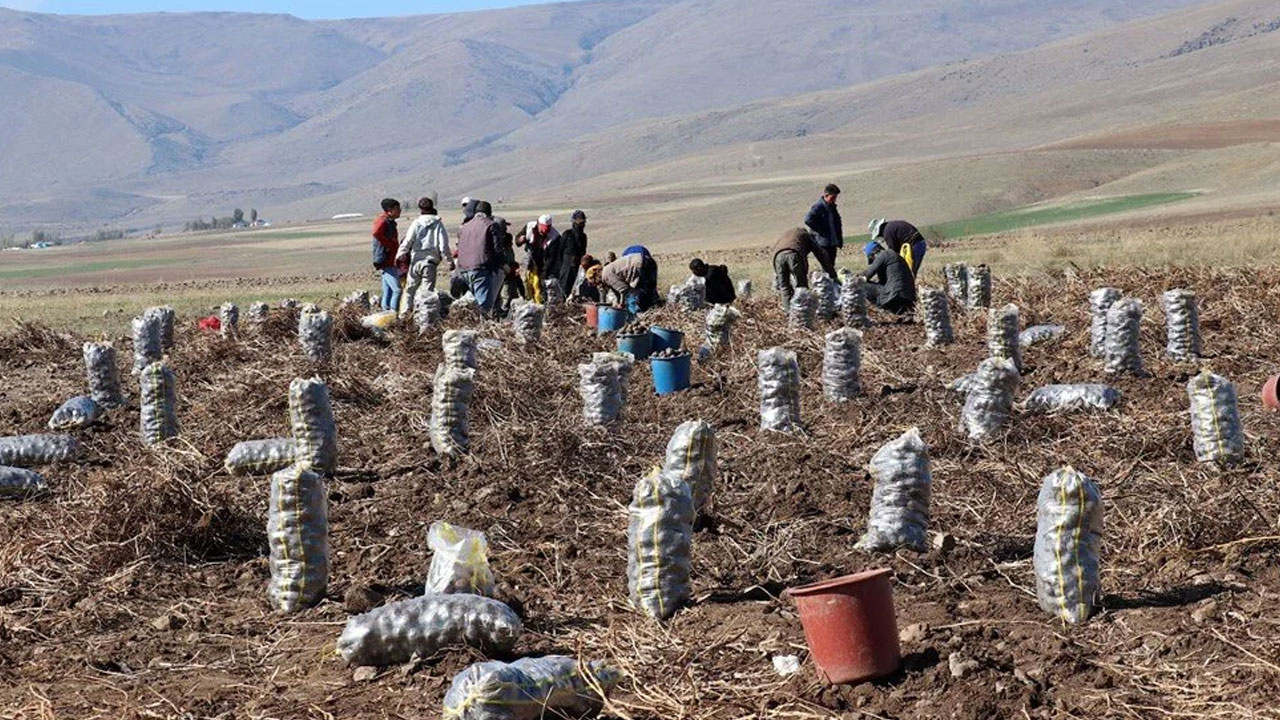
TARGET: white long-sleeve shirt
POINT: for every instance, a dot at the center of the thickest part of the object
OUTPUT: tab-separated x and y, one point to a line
426	239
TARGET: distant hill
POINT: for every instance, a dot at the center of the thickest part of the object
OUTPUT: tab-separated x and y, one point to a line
160	117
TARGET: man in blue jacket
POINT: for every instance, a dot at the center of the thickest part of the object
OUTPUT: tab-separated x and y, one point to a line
824	221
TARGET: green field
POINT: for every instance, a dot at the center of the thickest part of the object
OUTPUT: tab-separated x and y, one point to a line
43	271
1033	215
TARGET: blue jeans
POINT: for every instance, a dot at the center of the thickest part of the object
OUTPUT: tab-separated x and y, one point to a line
480	282
391	289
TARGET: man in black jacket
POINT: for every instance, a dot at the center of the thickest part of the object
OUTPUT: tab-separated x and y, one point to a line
891	285
823	220
573	247
720	290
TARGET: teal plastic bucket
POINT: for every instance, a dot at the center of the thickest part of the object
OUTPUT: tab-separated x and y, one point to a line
639	345
671	375
666	338
610	319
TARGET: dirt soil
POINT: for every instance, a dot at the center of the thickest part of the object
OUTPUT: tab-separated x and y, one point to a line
136	588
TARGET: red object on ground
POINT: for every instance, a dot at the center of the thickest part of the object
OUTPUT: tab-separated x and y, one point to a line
850	626
212	323
1269	397
593	314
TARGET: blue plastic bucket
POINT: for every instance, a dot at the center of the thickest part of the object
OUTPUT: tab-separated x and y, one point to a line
671	375
666	338
639	345
610	319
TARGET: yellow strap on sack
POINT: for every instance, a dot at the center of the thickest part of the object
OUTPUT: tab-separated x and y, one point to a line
908	255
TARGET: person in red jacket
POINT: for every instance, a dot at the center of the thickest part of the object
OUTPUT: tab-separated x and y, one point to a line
386	243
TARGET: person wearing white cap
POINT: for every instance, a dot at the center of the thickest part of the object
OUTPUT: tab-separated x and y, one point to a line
541	242
900	237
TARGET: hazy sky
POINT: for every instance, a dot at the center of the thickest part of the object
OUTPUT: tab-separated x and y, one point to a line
301	8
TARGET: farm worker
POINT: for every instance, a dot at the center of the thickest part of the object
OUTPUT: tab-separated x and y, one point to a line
425	246
386	245
509	284
631	282
637	250
468	209
901	237
720	290
584	291
791	262
891	285
610	257
540	241
823	220
573	248
480	255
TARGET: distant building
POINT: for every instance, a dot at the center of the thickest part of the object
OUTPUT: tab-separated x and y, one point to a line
348	216
260	223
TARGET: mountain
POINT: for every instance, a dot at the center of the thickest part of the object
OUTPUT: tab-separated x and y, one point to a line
161	117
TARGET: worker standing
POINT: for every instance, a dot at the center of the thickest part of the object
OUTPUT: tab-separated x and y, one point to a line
386	246
425	247
823	220
573	247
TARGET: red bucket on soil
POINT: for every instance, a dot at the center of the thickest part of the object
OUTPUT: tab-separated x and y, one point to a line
1269	390
592	312
850	626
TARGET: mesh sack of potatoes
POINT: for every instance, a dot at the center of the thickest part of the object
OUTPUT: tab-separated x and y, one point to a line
1068	533
315	334
33	450
258	312
527	319
720	322
530	688
936	316
990	400
315	434
803	308
962	385
1037	334
1215	419
744	289
899	516
553	292
166	317
147	347
297	539
426	310
1003	338
229	316
978	287
853	299
778	377
690	295
19	483
957	276
842	365
660	545
826	293
691	459
1182	325
460	348
451	392
159	400
78	412
103	374
1100	301
261	457
1124	334
600	385
397	632
459	561
357	301
1070	398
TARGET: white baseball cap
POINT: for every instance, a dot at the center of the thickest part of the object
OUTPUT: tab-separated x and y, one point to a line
545	220
466	201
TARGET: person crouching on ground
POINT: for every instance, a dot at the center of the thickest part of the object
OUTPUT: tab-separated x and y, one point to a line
630	281
791	263
584	291
903	238
425	246
890	284
480	255
386	246
720	290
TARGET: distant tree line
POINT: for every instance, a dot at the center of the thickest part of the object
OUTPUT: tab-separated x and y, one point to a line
221	223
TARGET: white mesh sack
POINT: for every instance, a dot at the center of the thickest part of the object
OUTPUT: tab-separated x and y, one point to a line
1068	398
530	688
1182	325
660	545
1003	338
827	294
842	365
1100	301
804	306
553	292
147	347
20	484
451	392
32	450
1068	533
936	317
229	317
261	457
315	434
258	312
957	275
166	317
426	310
899	515
159	398
601	388
691	459
78	412
421	627
744	289
1124	327
103	374
357	301
459	561
1037	334
990	400
1215	419
720	321
297	539
978	287
778	376
853	299
315	334
527	319
460	348
624	362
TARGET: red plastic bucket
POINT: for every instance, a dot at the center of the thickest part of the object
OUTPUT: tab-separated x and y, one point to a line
592	312
1269	396
850	626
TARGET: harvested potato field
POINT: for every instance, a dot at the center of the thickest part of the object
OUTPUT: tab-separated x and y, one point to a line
136	587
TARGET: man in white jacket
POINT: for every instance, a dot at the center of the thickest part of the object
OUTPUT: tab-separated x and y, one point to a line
426	244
